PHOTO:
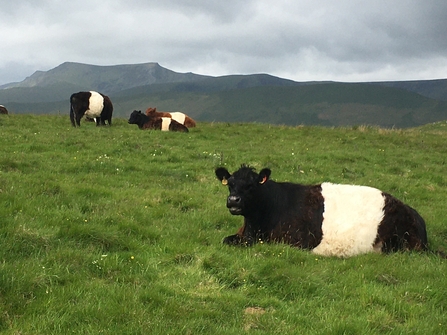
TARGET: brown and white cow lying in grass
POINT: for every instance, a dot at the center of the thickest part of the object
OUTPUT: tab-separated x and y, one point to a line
155	122
177	116
329	219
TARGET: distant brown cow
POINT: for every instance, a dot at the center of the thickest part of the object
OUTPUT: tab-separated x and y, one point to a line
177	116
3	110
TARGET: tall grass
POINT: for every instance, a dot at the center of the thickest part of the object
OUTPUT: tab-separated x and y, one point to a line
114	230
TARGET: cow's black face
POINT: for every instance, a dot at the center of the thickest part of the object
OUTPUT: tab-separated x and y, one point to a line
243	186
135	117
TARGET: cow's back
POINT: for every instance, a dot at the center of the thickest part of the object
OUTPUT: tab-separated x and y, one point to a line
179	117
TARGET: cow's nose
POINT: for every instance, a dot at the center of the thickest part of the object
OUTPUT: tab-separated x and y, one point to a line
233	200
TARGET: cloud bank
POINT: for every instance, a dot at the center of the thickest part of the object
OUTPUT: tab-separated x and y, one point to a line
299	40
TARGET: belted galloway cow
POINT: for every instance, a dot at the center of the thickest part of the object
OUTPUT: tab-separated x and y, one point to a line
329	219
93	105
144	121
3	110
177	116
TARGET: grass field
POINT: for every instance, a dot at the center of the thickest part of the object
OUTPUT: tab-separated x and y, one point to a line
114	230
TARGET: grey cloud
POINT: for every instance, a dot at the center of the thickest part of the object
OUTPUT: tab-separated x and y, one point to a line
310	40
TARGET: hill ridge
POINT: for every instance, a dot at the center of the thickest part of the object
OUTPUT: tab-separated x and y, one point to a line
108	78
232	98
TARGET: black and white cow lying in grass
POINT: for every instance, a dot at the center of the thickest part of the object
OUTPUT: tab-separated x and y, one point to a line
93	105
329	219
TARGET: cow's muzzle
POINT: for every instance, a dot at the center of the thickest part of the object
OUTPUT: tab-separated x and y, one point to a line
234	204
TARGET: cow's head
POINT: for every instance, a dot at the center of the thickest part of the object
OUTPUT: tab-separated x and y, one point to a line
243	186
135	117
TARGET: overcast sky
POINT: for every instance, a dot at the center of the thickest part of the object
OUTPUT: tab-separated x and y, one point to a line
303	40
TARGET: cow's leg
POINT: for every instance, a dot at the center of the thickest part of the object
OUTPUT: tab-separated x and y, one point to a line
72	118
239	238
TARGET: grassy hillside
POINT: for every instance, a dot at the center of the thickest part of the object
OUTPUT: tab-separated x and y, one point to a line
435	89
333	104
235	98
116	230
330	104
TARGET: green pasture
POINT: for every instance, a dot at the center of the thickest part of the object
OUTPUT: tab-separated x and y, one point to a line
115	230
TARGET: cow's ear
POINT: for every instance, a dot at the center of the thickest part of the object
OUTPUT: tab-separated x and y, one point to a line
264	175
222	174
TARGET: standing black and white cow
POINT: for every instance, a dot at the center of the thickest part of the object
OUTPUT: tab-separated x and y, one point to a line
91	104
329	219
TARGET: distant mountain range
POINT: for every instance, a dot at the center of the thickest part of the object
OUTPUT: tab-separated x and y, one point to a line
234	98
